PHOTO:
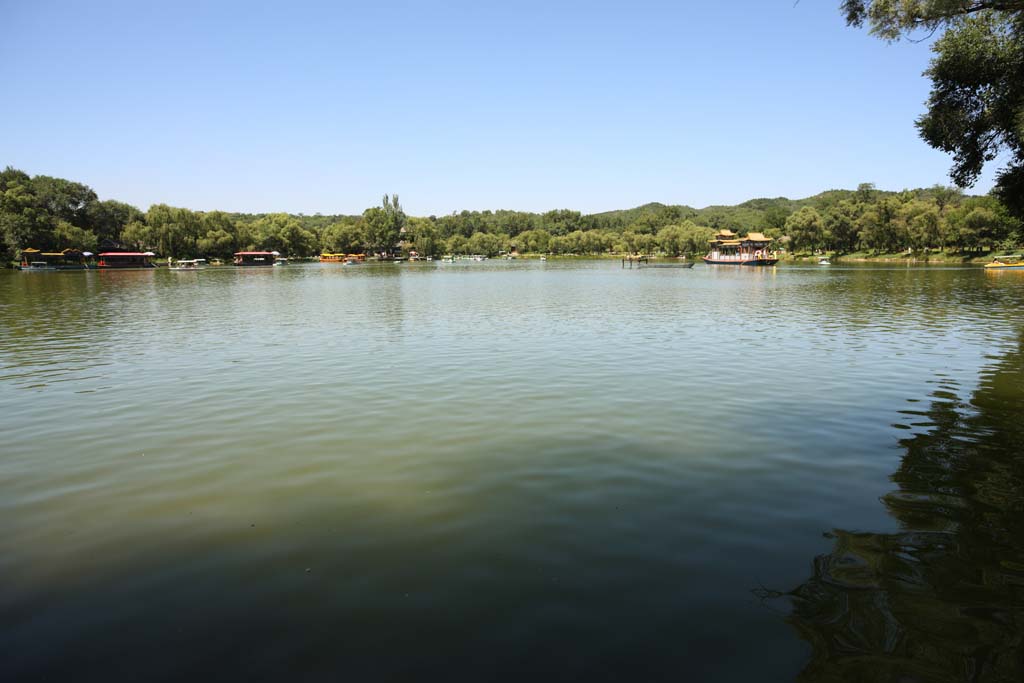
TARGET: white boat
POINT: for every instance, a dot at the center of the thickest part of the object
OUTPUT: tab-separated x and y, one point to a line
187	264
543	258
281	261
824	262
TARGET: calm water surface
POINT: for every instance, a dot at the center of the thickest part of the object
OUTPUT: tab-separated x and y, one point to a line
496	470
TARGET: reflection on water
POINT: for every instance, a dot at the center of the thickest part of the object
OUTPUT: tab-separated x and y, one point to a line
942	599
503	470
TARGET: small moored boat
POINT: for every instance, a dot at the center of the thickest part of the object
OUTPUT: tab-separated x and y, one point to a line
824	262
1006	263
185	265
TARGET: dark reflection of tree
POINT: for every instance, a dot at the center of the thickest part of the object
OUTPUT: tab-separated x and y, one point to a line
943	599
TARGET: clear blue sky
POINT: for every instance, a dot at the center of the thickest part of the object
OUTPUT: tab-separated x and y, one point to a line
324	106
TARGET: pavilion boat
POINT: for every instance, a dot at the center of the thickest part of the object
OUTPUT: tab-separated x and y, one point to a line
125	259
332	258
728	248
255	258
68	259
1006	263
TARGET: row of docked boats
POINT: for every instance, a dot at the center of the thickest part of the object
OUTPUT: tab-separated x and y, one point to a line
74	259
727	248
344	259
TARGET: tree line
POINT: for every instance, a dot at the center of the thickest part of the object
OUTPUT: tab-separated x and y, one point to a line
53	213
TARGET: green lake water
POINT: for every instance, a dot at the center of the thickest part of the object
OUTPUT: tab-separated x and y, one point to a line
502	470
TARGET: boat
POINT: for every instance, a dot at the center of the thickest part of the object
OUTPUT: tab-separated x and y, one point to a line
68	259
280	261
824	262
1006	263
448	259
666	264
543	258
728	248
216	262
126	259
183	265
254	258
332	258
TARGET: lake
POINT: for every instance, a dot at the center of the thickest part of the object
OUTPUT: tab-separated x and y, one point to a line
509	469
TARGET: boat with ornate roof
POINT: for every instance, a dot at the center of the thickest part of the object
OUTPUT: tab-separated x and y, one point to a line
126	259
728	248
255	258
68	259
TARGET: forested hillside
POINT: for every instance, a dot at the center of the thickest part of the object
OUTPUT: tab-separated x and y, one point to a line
53	213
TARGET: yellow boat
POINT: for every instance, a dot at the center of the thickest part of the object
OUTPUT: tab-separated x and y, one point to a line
1006	263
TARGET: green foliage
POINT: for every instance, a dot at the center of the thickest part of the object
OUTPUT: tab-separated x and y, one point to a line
343	237
382	225
976	106
534	241
456	244
840	222
425	237
806	229
282	232
485	243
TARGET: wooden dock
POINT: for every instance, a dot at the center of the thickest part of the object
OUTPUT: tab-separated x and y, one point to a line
645	262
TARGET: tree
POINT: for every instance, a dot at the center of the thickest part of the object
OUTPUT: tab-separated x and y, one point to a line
561	221
68	235
282	232
383	225
672	240
975	109
774	219
806	229
176	231
425	237
841	224
138	234
108	219
456	244
533	241
220	235
878	227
